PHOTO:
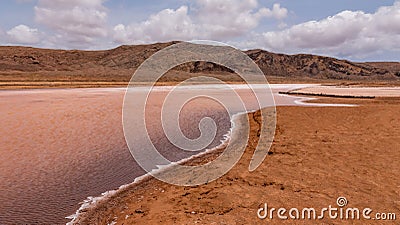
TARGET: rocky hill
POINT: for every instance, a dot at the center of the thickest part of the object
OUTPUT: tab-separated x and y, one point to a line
26	63
322	67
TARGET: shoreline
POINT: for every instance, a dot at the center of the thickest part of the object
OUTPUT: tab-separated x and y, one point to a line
23	85
124	200
90	203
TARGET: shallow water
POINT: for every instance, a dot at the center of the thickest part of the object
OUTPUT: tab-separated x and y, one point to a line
59	146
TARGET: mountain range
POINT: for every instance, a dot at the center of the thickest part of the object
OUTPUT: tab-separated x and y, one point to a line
118	64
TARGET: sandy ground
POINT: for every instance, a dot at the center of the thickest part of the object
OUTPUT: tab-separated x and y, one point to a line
318	155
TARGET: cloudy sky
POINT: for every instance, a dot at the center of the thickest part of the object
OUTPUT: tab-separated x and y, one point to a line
353	29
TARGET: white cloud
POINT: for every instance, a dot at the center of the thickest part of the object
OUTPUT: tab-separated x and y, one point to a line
79	21
167	24
23	34
206	19
348	33
277	12
221	19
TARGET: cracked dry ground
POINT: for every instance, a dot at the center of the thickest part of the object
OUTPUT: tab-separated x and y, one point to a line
318	155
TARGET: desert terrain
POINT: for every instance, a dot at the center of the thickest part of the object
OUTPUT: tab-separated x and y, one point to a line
65	144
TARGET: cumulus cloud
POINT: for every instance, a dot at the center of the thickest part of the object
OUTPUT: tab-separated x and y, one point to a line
205	19
348	33
220	19
167	24
277	12
23	34
80	21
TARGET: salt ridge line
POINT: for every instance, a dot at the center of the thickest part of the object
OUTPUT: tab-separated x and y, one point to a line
91	202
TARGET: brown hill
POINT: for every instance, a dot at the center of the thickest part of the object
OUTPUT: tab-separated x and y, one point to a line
303	65
34	64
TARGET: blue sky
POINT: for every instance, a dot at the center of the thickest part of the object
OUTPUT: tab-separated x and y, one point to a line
353	29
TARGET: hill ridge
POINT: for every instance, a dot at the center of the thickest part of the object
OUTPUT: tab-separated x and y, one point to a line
119	64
